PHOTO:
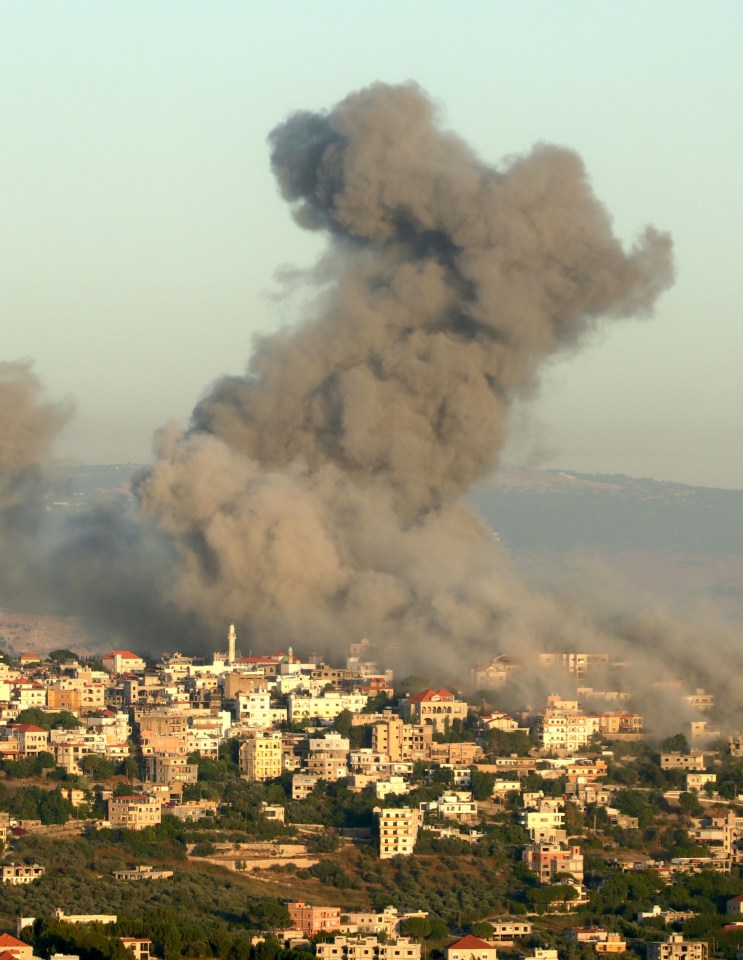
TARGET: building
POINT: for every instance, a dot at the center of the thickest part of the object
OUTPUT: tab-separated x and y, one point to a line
548	859
312	920
400	741
505	929
122	661
368	948
136	812
21	873
674	947
454	805
437	708
261	756
19	949
31	739
398	831
734	907
471	948
141	948
682	761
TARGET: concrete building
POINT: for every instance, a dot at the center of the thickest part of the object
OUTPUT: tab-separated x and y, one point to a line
312	920
674	947
398	831
368	948
261	756
17	874
548	859
136	812
399	741
436	708
122	661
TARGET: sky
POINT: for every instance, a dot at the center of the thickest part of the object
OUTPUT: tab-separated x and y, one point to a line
142	237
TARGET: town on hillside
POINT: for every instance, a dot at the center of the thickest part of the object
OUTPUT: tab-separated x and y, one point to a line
280	807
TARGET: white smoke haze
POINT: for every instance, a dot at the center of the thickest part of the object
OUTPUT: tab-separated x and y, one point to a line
318	498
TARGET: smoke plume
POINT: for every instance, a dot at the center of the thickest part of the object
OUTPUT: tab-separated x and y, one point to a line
317	498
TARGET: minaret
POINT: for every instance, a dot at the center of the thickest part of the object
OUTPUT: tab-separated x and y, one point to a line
231	639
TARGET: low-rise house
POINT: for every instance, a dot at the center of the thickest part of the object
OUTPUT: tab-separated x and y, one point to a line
674	947
471	948
437	708
122	661
365	948
613	944
19	949
698	781
734	907
31	739
506	929
20	873
457	806
142	872
682	761
140	947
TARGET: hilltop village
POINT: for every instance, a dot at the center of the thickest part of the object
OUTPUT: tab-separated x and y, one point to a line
273	807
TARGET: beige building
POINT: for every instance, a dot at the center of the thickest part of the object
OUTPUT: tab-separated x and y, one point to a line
31	739
471	948
135	812
170	769
17	874
261	756
400	741
398	831
141	948
674	947
437	708
368	948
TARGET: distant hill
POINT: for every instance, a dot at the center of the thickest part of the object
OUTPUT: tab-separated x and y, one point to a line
556	510
681	543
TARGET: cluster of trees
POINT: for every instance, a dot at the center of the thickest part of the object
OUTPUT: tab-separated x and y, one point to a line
34	803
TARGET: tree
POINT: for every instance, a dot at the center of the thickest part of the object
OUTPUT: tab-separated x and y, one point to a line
675	744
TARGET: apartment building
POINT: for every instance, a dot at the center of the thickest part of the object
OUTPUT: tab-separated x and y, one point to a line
547	859
398	832
398	740
261	756
313	920
122	661
136	812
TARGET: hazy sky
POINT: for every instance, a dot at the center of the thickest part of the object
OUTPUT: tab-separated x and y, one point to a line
140	228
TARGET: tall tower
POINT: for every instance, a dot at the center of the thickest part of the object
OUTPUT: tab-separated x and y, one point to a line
231	640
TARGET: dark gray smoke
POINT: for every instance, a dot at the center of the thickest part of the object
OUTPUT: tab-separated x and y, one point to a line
317	498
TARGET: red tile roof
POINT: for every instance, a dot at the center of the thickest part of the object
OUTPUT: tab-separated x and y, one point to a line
426	695
7	941
28	728
122	653
470	942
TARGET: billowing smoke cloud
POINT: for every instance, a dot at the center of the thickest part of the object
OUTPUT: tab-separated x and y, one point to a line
29	425
318	497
